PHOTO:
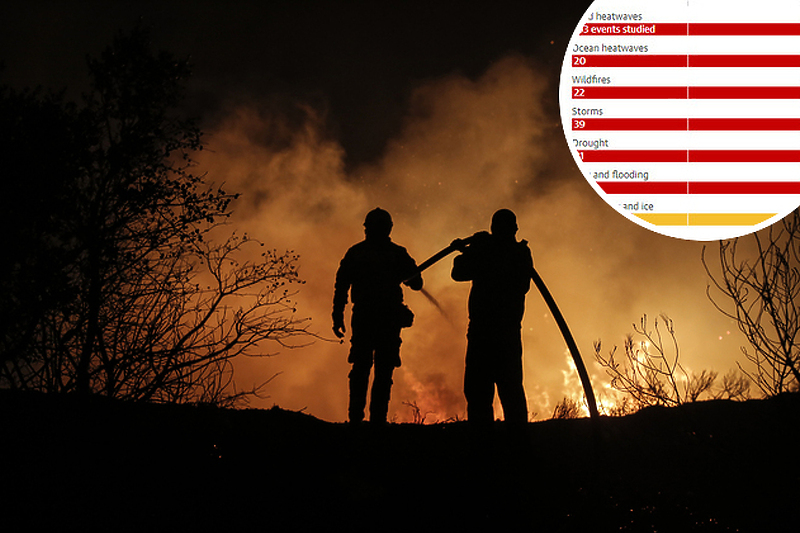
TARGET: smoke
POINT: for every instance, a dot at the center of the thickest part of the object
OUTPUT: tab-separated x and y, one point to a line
467	148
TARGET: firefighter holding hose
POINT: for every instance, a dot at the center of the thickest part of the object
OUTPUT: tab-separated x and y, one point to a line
499	268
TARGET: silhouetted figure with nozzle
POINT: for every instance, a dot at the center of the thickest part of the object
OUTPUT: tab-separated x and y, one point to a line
372	272
499	268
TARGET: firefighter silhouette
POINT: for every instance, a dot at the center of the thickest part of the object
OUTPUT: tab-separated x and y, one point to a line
499	268
372	272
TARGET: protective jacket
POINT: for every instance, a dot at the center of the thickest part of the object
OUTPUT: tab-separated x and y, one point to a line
500	272
371	271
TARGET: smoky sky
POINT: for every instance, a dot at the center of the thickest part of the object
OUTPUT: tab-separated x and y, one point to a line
440	112
356	61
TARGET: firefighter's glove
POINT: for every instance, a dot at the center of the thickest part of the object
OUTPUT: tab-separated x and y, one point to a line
459	244
338	327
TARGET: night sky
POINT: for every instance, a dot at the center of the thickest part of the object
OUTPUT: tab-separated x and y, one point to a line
357	61
441	113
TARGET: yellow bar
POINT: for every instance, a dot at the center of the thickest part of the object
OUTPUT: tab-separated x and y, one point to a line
665	219
728	219
705	219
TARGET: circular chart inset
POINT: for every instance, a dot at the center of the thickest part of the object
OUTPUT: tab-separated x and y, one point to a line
684	115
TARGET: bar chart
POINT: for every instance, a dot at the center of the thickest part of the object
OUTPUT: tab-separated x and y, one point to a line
685	115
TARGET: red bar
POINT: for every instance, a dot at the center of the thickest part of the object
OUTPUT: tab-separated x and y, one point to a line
690	156
633	156
700	187
632	60
629	124
703	28
697	61
747	187
782	93
744	61
683	124
632	93
636	28
643	187
744	124
679	93
744	156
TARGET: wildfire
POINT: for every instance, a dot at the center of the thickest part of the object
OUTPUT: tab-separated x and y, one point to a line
468	148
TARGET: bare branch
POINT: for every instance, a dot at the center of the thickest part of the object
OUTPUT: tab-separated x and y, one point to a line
760	292
650	373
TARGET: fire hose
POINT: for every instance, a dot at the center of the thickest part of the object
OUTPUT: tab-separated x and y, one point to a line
556	312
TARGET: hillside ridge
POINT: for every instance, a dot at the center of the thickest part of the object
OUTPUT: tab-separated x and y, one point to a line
99	465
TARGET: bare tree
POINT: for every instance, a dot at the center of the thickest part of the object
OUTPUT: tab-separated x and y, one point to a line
153	310
650	372
760	293
173	335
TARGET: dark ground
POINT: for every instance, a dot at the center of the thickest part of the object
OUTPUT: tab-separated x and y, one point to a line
93	465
